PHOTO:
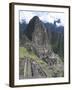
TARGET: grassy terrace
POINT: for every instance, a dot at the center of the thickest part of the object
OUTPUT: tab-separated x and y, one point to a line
41	63
23	52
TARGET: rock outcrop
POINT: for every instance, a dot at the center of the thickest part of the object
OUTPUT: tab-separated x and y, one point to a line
37	33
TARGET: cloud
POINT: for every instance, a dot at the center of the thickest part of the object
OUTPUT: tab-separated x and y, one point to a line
44	16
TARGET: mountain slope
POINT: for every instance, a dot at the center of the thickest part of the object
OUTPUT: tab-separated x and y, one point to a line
37	59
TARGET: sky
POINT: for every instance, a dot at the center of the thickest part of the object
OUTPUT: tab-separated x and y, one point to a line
44	16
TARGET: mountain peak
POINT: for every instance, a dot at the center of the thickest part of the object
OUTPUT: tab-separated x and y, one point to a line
35	18
31	26
37	33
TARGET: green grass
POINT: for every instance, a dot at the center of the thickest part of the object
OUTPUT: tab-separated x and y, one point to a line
23	52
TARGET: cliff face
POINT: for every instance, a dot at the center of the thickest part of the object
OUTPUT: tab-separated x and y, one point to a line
31	26
39	36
